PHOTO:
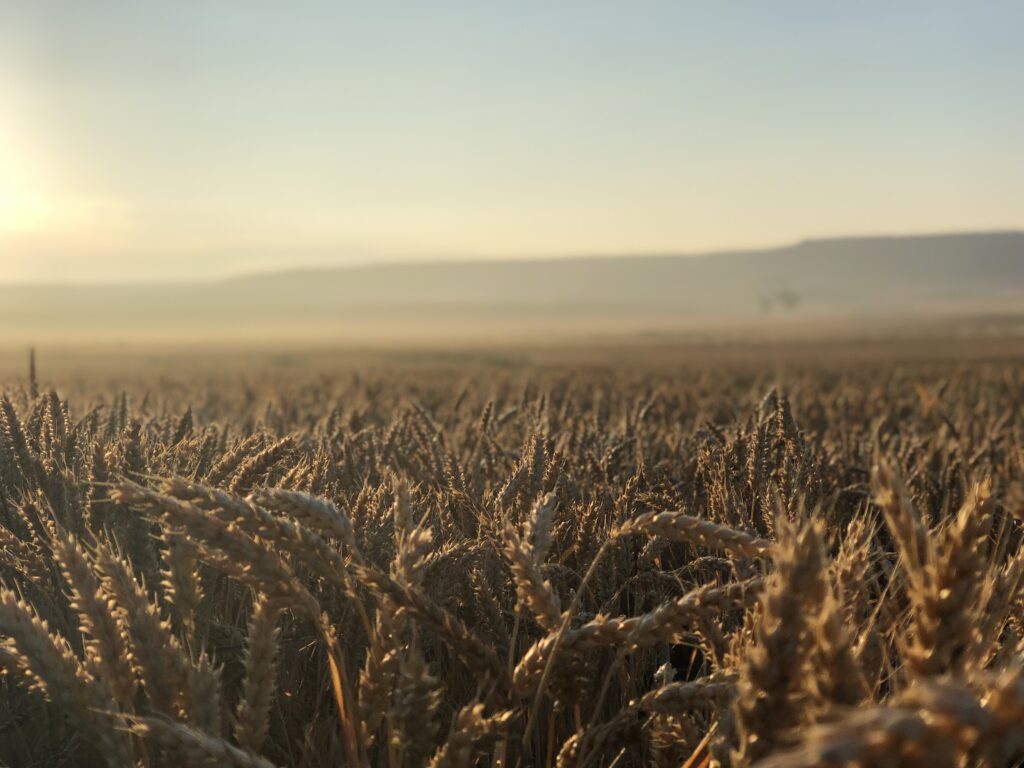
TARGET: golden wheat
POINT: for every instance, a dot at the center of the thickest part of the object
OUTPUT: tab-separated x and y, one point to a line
487	566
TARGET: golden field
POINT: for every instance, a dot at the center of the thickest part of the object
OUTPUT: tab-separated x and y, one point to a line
736	555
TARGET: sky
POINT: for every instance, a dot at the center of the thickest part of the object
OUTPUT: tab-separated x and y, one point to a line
192	140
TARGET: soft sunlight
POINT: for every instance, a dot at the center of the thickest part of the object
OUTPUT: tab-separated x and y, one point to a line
24	207
465	384
20	210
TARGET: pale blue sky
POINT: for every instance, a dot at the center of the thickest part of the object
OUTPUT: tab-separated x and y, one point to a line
191	139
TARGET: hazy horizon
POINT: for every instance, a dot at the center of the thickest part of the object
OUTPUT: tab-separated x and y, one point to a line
298	268
190	142
959	283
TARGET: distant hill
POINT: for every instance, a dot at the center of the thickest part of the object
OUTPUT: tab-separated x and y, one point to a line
850	278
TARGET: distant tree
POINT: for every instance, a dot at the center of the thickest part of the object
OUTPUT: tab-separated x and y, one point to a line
789	299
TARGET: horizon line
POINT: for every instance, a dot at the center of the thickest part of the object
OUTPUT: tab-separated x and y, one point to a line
506	260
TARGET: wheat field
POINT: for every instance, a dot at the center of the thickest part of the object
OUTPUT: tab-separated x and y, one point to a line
660	565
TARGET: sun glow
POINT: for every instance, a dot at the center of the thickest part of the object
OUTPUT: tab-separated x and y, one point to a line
20	210
24	201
